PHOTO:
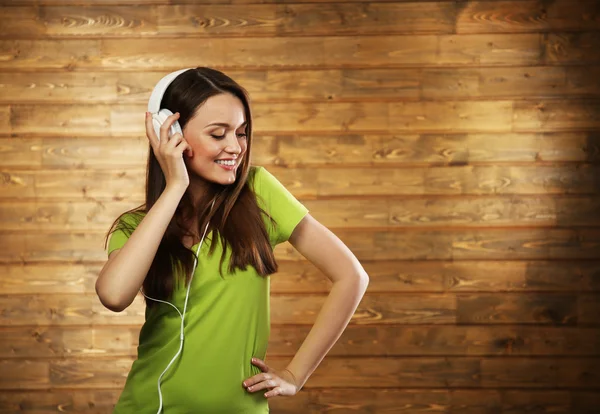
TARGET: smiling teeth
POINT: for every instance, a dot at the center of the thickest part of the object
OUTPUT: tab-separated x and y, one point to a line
230	163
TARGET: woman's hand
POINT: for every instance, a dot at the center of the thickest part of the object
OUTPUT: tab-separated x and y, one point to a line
278	382
169	151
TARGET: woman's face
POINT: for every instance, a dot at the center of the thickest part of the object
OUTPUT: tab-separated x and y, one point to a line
217	132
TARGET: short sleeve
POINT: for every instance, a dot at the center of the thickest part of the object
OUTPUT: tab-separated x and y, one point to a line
118	238
279	203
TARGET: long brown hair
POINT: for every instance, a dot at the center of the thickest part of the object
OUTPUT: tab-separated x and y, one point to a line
235	217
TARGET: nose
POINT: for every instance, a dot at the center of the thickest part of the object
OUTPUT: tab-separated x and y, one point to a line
233	146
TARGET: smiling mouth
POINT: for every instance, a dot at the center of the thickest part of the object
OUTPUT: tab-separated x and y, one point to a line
229	167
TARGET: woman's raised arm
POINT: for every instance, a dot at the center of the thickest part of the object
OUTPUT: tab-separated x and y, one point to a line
123	274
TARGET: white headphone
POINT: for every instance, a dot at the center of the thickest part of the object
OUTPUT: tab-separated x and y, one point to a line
158	117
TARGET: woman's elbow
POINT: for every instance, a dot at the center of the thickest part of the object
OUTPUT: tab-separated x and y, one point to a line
358	279
363	280
110	302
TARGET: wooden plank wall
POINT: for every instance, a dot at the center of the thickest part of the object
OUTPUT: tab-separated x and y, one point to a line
453	146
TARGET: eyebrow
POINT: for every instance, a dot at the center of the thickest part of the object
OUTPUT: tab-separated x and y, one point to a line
223	124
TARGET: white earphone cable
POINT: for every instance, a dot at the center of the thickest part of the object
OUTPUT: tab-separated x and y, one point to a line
181	334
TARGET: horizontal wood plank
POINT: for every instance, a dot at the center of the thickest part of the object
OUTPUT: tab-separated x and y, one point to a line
530	16
334	372
64	341
339	400
270	85
53	401
589	309
445	244
126	184
61	309
556	115
397	212
385	277
503	116
300	19
571	48
536	308
284	52
322	150
375	308
247	20
540	373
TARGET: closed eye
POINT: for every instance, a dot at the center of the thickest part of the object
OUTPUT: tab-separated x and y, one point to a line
223	136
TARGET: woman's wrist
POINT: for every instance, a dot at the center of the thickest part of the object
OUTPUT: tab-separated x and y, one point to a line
298	387
175	189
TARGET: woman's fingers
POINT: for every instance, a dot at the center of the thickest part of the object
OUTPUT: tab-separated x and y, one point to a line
261	364
278	382
274	392
150	130
268	383
258	377
165	127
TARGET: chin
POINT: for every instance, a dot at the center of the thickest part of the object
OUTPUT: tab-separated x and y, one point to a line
225	178
225	182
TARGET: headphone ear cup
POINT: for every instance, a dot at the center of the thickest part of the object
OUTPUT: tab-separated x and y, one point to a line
160	118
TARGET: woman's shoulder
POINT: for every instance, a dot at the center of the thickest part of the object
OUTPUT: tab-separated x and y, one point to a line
254	176
255	169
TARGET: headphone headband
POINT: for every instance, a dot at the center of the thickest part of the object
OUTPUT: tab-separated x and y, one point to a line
160	88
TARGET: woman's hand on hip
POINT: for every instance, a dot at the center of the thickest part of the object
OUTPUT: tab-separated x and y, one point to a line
276	381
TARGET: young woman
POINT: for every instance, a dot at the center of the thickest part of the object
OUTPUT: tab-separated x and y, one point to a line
201	250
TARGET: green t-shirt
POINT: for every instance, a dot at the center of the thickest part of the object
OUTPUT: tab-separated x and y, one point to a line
226	324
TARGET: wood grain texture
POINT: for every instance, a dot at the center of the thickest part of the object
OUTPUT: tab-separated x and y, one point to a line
332	85
428	211
530	16
335	372
323	19
323	150
440	244
571	48
358	340
376	308
134	54
387	276
340	400
502	116
306	183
